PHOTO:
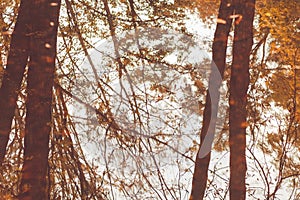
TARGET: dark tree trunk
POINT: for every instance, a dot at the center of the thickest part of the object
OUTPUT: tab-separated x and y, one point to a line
16	63
43	37
239	81
212	101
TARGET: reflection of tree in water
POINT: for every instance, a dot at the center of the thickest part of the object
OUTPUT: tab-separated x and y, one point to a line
138	127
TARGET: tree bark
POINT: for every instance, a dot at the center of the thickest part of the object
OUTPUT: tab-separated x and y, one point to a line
212	100
239	82
42	55
16	63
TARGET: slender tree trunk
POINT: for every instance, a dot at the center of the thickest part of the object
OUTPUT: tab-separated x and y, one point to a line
243	40
43	38
16	63
212	101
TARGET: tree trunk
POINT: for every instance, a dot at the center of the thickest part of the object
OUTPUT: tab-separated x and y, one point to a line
16	63
212	101
239	81
43	38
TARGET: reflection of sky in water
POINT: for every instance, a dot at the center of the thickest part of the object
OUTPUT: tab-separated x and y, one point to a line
143	77
171	109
